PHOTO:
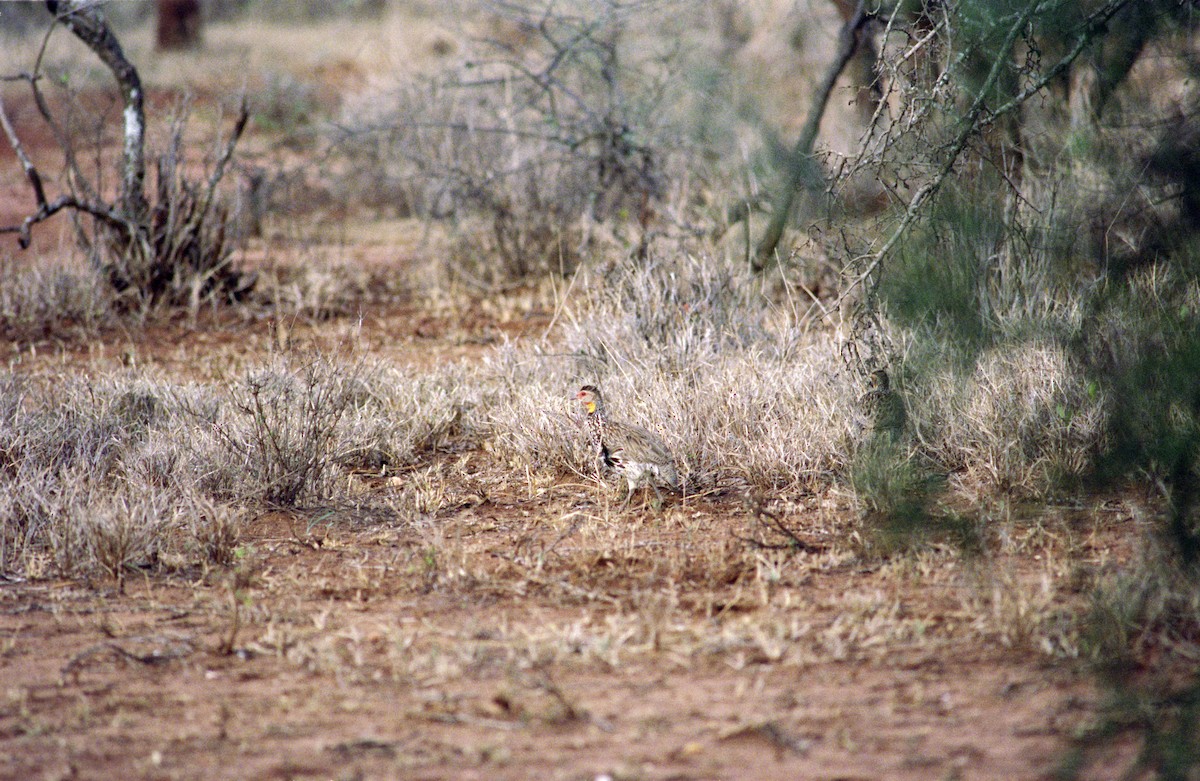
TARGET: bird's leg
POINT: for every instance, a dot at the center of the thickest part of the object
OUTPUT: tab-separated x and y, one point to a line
628	496
658	500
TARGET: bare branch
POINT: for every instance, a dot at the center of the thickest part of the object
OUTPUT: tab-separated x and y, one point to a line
31	172
227	154
800	163
88	24
47	210
977	117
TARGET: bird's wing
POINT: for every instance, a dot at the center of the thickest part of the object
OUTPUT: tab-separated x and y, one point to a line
640	444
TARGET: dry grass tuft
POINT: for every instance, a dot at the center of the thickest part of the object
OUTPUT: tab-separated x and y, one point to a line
688	347
119	471
63	300
1026	422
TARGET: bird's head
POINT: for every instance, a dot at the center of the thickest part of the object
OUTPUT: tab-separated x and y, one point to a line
589	397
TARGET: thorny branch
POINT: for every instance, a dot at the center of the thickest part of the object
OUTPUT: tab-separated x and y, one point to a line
977	117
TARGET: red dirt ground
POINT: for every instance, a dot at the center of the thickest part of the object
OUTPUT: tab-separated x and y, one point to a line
349	665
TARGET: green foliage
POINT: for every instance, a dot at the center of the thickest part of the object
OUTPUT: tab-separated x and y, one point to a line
1144	348
938	283
895	492
1165	722
898	493
1154	430
1140	636
1140	342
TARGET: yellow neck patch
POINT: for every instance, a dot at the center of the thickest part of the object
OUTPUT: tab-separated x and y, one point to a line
591	407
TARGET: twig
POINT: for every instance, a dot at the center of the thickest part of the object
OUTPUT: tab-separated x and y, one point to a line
176	650
31	172
798	165
774	523
976	119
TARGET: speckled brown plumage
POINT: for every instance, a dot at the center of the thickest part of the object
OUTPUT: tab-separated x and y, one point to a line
884	406
628	450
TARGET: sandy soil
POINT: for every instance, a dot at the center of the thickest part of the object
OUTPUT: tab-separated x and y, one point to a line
354	656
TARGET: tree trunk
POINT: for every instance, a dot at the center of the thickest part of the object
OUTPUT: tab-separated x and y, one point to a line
85	20
179	24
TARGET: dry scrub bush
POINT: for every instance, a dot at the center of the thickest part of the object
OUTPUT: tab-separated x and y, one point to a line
321	284
283	433
1025	422
280	429
985	344
121	529
118	471
558	129
1018	212
40	300
688	347
158	234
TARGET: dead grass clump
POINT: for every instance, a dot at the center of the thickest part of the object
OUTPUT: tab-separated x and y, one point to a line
742	390
285	433
400	416
75	425
1026	422
121	530
116	472
51	300
320	288
781	424
215	528
532	423
71	491
687	347
671	313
